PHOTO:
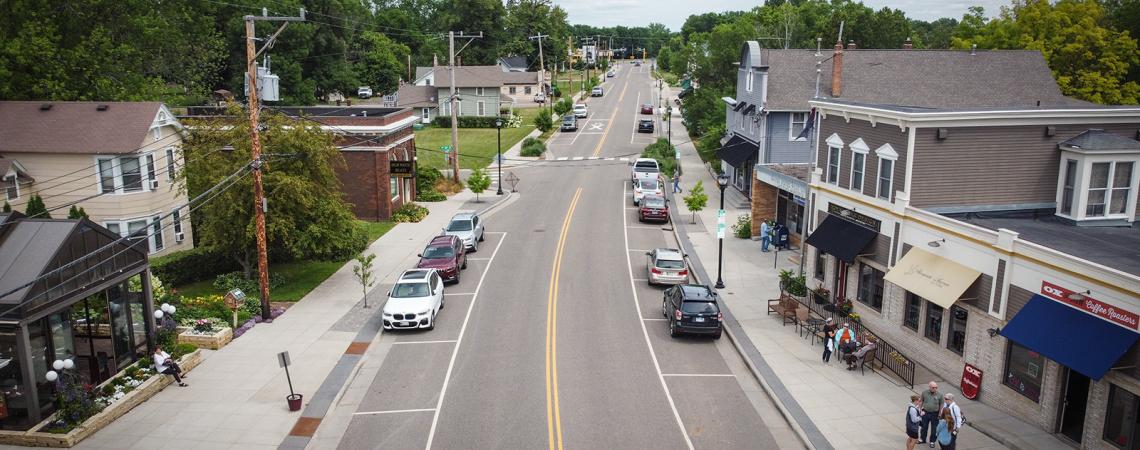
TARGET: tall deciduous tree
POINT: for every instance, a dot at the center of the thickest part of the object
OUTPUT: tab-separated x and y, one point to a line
380	62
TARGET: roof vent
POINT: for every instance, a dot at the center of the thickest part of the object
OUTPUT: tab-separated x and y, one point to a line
101	108
45	106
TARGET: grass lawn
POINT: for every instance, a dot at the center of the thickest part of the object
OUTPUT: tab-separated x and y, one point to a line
476	145
300	276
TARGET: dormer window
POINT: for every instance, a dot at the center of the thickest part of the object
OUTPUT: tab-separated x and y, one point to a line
1098	177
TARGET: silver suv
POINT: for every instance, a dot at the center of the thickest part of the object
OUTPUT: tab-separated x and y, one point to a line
468	227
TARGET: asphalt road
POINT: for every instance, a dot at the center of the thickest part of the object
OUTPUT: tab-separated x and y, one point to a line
553	339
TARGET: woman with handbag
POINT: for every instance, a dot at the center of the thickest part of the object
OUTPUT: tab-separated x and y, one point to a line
913	418
946	430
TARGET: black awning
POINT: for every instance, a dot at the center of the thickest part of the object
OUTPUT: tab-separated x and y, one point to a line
749	110
841	238
739	105
736	151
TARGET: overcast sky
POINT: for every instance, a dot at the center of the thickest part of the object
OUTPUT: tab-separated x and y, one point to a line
673	13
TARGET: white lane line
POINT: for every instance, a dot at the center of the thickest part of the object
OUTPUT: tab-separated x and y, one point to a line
587	122
594	158
424	342
640	279
478	259
563	158
637	250
609	159
457	293
577	158
635	227
459	343
623	159
645	331
397	411
697	374
654	320
633	132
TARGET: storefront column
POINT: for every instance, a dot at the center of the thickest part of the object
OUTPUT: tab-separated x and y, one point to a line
33	396
148	308
764	198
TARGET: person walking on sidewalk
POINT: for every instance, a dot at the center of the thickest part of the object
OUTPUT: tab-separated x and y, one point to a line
677	181
913	419
828	339
765	236
950	409
931	405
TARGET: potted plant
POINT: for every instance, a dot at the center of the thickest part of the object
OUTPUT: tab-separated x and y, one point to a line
844	307
792	284
822	295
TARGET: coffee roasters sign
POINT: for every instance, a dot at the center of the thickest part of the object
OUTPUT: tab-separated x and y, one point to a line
971	381
1096	307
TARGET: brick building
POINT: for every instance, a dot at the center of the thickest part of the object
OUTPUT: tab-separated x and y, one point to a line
1003	239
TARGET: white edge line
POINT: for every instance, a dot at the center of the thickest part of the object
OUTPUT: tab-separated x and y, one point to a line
478	259
422	342
365	413
725	375
457	293
640	279
637	106
645	331
458	344
637	250
654	319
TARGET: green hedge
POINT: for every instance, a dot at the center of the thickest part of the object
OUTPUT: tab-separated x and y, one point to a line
467	121
187	266
532	147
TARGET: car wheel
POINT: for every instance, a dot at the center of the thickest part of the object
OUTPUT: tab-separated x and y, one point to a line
431	324
481	235
718	333
475	246
457	275
673	329
664	312
442	301
464	266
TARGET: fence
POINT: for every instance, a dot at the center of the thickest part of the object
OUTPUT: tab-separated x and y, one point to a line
889	356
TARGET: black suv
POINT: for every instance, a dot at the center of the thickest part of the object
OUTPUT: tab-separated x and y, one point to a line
692	308
645	126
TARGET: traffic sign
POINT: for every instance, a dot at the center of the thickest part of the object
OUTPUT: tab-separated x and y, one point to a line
720	225
445	148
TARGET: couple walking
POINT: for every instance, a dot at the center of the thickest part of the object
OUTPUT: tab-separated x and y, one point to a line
940	418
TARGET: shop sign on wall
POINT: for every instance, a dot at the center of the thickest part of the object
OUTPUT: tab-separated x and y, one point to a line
971	381
1098	308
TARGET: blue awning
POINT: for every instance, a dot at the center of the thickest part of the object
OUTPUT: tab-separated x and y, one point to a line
1077	340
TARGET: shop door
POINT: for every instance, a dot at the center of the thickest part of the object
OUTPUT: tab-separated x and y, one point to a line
1073	405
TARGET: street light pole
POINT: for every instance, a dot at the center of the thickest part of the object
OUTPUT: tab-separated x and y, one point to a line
499	132
722	182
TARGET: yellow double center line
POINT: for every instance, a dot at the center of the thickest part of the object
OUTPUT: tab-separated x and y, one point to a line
610	123
553	415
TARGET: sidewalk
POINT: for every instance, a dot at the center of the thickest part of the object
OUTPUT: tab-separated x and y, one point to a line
849	409
236	397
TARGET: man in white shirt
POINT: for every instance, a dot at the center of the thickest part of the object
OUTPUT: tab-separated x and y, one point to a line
164	365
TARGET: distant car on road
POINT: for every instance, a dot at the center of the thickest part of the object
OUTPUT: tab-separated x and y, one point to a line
445	254
540	98
653	207
610	74
666	266
597	91
569	123
364	92
644	167
580	110
468	227
637	64
645	126
693	309
644	187
647	109
414	300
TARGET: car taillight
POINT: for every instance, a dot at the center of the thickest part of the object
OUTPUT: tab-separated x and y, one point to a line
677	314
683	273
720	317
655	271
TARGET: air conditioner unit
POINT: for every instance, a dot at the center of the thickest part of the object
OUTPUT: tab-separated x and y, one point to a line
179	237
153	184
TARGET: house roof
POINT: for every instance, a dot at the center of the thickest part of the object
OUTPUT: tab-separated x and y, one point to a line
1098	141
7	165
477	76
514	62
416	96
75	127
919	78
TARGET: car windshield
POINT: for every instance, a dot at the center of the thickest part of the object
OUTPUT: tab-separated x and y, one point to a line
699	307
459	225
410	290
439	252
654	203
645	167
648	184
579	106
670	264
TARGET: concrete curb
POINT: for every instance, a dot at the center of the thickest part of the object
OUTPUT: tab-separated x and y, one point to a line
811	437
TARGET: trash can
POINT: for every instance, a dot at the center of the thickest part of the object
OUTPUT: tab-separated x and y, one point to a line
781	236
294	401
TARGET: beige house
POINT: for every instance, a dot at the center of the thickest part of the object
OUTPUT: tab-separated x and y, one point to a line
115	160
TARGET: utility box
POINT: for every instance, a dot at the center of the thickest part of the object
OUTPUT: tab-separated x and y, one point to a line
268	85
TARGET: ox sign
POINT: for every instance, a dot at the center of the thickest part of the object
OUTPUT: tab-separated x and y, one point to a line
971	381
1091	305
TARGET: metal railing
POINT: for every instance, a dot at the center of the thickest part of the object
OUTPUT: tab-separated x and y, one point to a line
889	356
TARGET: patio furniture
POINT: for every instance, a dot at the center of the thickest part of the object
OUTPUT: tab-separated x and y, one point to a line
786	309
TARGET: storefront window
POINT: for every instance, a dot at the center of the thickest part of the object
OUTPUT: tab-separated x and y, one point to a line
120	328
913	311
13	396
871	287
933	322
1024	371
138	315
957	340
820	264
1121	419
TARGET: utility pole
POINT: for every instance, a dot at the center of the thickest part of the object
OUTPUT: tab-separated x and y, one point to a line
541	62
451	102
255	146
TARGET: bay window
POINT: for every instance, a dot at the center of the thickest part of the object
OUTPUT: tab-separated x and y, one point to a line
126	174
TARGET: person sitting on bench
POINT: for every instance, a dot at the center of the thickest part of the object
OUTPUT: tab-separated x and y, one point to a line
165	365
855	359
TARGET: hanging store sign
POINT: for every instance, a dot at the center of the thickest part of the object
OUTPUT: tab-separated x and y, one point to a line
400	169
971	381
850	214
1083	302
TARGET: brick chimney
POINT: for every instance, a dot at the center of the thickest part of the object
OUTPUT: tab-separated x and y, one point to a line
434	60
851	44
837	70
907	45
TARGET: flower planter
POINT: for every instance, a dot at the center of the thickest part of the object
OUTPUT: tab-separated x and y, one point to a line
213	341
142	393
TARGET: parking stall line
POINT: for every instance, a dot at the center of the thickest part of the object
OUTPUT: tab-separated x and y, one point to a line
398	411
423	342
654	319
720	375
635	227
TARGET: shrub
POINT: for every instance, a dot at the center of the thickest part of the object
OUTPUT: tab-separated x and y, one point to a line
563	106
743	226
664	154
229	281
792	283
532	147
426	178
410	212
181	350
430	196
543	122
187	266
466	121
448	186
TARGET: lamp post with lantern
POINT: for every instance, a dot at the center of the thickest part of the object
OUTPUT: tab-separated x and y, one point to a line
722	183
499	133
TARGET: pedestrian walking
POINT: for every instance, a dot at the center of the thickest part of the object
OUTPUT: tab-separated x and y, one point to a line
947	432
913	419
828	339
676	182
950	409
931	405
765	236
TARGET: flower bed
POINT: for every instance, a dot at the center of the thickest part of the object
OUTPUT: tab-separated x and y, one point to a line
213	338
273	314
113	399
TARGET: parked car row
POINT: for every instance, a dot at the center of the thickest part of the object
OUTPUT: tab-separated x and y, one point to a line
688	308
417	295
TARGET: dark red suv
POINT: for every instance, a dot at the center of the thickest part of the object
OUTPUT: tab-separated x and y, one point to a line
446	254
653	208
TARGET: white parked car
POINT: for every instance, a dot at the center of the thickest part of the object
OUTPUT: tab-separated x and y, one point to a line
580	110
597	91
644	167
666	266
647	186
468	227
414	300
540	98
364	92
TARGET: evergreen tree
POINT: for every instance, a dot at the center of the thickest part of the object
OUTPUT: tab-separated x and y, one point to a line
7	207
36	208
